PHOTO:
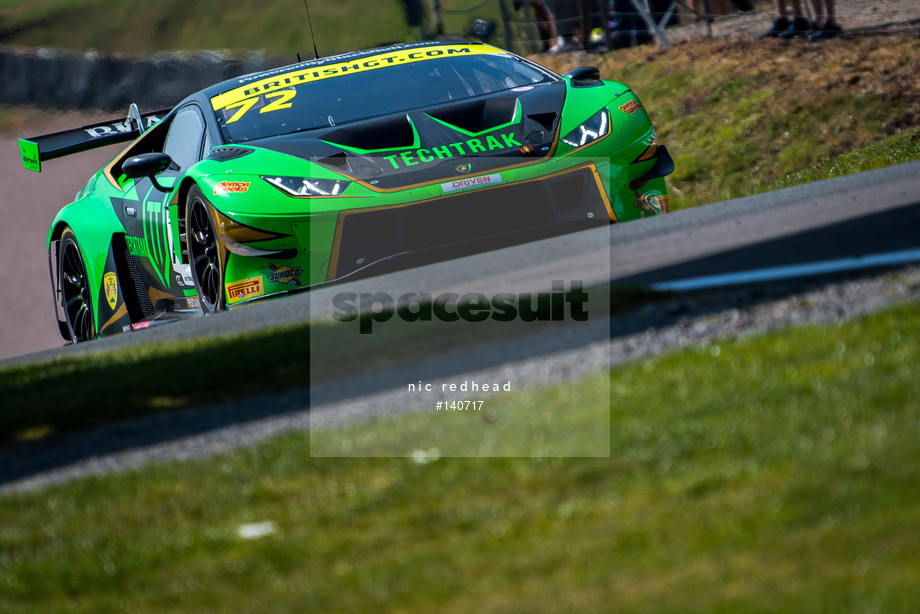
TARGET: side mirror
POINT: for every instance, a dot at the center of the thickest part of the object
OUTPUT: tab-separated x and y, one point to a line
147	165
585	73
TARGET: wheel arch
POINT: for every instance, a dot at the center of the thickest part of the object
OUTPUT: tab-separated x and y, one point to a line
93	226
180	199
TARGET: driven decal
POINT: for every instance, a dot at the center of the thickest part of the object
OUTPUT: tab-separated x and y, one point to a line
282	81
110	283
246	288
472	182
231	187
462	148
285	275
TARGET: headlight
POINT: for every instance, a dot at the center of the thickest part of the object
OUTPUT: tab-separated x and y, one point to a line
593	129
302	186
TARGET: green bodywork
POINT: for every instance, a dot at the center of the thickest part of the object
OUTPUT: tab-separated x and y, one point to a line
103	227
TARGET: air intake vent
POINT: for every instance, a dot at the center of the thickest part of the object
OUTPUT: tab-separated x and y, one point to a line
132	284
223	154
478	115
384	134
547	120
339	160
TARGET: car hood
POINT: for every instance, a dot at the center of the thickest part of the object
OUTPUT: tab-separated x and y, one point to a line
472	136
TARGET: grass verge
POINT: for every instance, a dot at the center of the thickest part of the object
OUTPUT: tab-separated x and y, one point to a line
741	117
281	28
904	147
766	474
76	392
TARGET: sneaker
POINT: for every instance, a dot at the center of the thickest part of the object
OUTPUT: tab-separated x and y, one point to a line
828	30
797	29
779	25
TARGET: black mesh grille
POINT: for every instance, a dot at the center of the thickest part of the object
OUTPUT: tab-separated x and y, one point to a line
143	298
522	212
223	154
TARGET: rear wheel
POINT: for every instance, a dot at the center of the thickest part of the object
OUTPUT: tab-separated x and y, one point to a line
76	296
204	252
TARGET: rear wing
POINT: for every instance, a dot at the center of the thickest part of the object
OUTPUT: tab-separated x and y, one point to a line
38	149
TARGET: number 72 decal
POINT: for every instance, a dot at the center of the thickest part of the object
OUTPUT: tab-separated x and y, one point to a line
281	101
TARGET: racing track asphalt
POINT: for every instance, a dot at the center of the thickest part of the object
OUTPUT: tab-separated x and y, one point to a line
28	205
867	213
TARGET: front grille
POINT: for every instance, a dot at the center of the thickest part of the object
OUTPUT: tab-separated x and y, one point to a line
521	212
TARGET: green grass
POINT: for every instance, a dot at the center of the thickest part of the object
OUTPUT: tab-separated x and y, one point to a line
281	27
904	147
741	117
77	392
768	474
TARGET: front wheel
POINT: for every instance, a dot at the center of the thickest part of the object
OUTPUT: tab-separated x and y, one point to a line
205	253
76	296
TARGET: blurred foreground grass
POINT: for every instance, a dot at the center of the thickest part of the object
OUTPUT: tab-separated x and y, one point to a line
773	473
72	392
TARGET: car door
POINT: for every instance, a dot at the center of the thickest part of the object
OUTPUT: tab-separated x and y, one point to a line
148	219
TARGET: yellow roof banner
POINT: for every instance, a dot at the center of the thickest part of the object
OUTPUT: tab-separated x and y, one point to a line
364	64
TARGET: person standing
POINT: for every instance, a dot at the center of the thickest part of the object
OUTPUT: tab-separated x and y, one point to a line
716	7
825	21
786	28
546	24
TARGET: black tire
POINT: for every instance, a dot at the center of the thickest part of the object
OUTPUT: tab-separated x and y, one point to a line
205	253
73	284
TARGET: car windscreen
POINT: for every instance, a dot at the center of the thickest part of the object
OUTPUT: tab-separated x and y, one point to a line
352	91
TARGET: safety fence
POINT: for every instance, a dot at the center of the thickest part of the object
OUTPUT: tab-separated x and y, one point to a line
71	80
531	26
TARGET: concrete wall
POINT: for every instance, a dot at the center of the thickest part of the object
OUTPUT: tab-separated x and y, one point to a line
68	80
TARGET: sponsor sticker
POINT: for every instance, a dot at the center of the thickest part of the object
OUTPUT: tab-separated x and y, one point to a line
285	80
123	127
630	107
141	325
30	157
471	147
653	203
137	247
231	187
285	275
244	289
110	283
471	182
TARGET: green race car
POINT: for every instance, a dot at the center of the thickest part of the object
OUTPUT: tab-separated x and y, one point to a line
336	168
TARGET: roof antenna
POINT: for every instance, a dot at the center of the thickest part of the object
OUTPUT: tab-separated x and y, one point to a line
309	21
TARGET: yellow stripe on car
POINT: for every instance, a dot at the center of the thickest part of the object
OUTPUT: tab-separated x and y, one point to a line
318	73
